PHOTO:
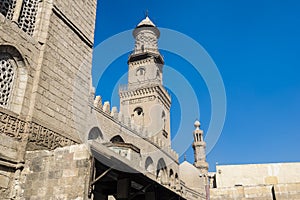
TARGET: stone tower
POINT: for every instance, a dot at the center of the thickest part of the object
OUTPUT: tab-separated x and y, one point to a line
199	147
145	100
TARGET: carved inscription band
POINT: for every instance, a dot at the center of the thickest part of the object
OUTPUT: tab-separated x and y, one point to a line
37	134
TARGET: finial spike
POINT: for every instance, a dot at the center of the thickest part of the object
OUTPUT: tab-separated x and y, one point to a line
197	124
146	13
184	157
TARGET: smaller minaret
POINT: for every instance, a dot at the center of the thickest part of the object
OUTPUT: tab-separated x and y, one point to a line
199	147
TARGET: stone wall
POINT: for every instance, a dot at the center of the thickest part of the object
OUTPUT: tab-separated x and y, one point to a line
53	78
255	192
287	191
13	40
255	174
81	13
64	86
261	192
257	181
49	97
60	174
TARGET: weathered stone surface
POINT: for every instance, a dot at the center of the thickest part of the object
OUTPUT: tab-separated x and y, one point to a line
49	110
4	181
255	174
257	181
50	180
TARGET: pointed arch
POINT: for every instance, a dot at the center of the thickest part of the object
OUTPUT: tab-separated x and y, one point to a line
171	178
117	139
95	134
177	183
149	165
13	78
161	172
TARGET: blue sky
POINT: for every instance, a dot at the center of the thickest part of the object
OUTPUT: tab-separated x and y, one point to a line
256	47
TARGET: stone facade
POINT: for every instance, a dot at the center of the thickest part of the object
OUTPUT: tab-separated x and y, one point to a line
59	174
257	181
59	142
45	60
47	109
254	174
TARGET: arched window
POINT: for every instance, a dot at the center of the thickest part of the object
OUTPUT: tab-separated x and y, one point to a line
95	133
25	17
171	178
117	139
7	73
13	78
7	8
161	172
140	71
177	183
149	166
138	111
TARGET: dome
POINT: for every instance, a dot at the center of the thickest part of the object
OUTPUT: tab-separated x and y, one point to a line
197	124
190	175
146	22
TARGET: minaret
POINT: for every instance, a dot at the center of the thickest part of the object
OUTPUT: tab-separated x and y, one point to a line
145	62
199	147
145	100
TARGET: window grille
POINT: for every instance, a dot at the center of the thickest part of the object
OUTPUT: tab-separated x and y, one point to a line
6	79
7	8
28	16
23	12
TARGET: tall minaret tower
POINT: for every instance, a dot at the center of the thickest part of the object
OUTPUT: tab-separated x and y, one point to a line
145	100
199	147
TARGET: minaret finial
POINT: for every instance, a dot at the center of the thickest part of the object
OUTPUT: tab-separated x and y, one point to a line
197	125
146	13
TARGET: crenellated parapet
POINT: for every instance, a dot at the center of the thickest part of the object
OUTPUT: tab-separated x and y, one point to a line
128	123
119	117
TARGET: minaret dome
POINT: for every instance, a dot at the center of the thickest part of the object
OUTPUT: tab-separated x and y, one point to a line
146	36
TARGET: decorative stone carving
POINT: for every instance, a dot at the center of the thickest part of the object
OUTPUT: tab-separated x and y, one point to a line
38	135
11	126
44	137
141	100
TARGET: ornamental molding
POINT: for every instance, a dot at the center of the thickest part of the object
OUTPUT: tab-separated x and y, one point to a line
35	135
158	90
11	126
40	137
139	100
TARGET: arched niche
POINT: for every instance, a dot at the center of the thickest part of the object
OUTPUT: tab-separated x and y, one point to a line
149	164
117	139
161	172
95	134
